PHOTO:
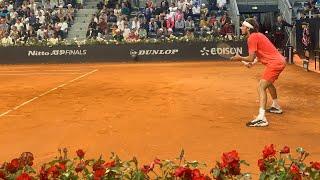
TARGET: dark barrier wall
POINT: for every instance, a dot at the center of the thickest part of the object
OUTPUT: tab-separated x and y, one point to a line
122	52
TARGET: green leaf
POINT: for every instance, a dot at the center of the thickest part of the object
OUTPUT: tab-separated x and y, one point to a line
300	150
215	172
139	176
244	162
181	154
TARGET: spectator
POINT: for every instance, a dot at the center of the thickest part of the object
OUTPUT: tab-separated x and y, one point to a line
196	11
135	24
126	31
227	29
142	33
14	34
117	11
132	37
189	35
164	5
161	34
50	32
170	22
204	10
124	9
70	14
118	37
178	15
182	5
204	24
31	34
100	5
6	40
41	33
279	33
180	25
306	40
153	27
102	25
112	18
189	24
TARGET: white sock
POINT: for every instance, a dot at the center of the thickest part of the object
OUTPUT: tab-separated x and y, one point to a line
261	114
275	103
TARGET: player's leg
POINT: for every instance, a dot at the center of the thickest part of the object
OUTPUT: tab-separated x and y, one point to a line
261	120
262	89
275	107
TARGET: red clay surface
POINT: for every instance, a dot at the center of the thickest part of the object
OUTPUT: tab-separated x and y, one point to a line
153	110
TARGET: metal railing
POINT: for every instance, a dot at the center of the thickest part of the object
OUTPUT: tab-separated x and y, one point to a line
235	16
257	2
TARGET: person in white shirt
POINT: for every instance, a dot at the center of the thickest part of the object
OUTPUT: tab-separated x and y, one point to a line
172	10
41	17
182	5
13	14
32	5
38	11
117	10
41	33
10	6
221	3
135	24
64	26
19	24
121	23
196	10
126	31
6	40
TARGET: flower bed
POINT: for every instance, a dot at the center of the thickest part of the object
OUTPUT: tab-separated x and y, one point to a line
280	165
79	42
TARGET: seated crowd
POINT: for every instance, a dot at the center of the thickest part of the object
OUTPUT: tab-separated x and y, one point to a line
23	21
185	18
306	9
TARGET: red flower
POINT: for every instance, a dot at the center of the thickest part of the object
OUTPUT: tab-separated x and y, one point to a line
62	166
231	161
110	164
97	166
43	173
285	150
146	169
183	172
98	174
261	165
157	161
2	175
269	151
24	176
294	169
202	178
80	153
54	171
315	165
13	166
196	175
26	158
80	167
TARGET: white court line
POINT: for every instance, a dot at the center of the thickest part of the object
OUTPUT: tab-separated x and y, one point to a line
5	113
55	88
25	74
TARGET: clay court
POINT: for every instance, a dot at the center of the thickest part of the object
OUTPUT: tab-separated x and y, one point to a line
153	110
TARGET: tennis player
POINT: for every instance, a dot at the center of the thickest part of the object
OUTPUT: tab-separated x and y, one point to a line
260	47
